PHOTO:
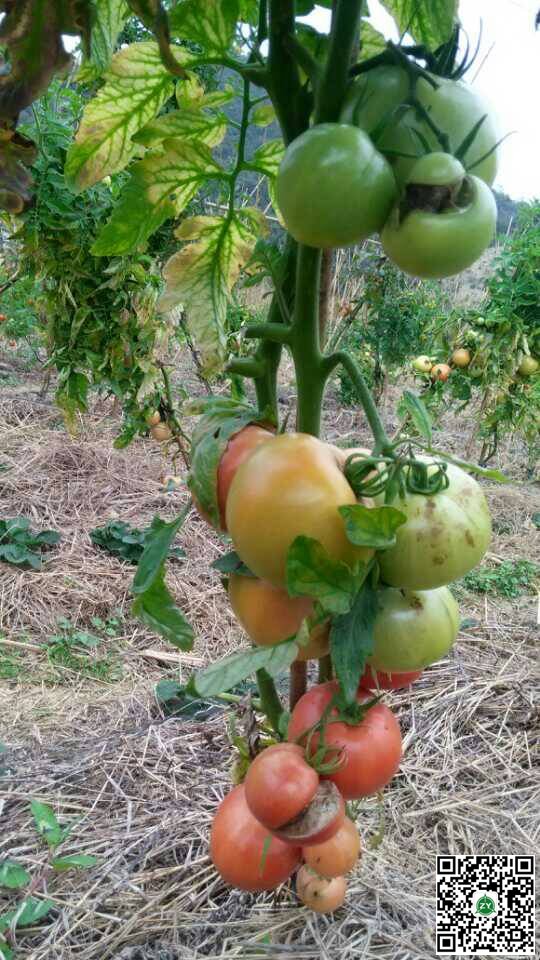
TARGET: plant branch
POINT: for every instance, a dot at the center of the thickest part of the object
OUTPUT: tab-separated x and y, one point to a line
305	60
270	702
179	435
284	85
277	332
382	441
343	39
245	367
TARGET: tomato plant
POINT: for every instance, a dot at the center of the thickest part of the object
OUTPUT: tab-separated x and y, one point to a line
335	856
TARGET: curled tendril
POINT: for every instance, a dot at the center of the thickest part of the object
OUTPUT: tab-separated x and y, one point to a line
395	477
368	476
424	479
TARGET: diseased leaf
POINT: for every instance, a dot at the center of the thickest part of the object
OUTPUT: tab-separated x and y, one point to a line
160	187
418	413
136	86
351	641
202	274
372	526
185	125
427	21
263	115
156	608
267	158
211	24
227	673
81	861
371	41
12	875
156	550
108	20
311	572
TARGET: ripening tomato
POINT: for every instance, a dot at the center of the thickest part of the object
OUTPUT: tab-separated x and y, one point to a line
319	894
335	856
239	448
422	364
153	418
445	535
528	366
371	750
333	188
372	679
237	847
3	317
461	357
413	628
439	242
161	432
289	488
269	615
455	106
279	785
441	372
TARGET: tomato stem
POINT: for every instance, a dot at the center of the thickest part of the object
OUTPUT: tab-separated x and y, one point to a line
270	702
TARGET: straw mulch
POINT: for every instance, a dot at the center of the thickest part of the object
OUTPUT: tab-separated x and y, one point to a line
143	788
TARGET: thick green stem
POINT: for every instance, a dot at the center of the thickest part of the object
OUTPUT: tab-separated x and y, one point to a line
382	441
325	669
284	84
270	702
305	342
343	39
269	352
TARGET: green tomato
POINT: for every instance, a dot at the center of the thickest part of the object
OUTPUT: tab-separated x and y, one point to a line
528	366
439	243
333	188
454	106
444	537
413	628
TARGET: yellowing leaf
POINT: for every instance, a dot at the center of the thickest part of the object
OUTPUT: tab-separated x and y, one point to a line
211	23
371	41
185	124
428	21
189	91
267	158
161	185
263	115
202	274
137	84
109	17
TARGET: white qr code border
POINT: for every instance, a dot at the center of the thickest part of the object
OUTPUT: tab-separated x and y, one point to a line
485	905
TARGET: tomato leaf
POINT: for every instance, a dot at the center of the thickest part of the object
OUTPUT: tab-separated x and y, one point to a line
201	275
156	607
160	187
312	572
6	953
351	641
44	816
487	472
227	673
188	124
372	41
429	22
372	527
263	115
231	563
26	913
156	549
81	861
211	24
267	158
108	19
12	875
136	86
418	413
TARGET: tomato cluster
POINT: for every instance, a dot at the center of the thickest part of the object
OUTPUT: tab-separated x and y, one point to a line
291	805
470	358
339	183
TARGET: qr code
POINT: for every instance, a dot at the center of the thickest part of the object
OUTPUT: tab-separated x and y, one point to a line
485	905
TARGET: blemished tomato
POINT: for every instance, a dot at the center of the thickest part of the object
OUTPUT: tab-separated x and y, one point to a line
371	750
441	372
438	243
238	449
154	418
237	847
333	188
413	629
269	615
279	785
336	856
319	821
372	679
445	535
422	364
461	357
454	106
289	488
319	894
528	366
161	432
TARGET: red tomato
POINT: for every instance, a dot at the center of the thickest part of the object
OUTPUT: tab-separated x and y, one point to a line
441	371
371	750
279	785
237	845
377	680
239	448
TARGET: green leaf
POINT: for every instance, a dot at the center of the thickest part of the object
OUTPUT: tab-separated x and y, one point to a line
80	861
160	187
186	125
263	115
175	700
12	875
312	572
157	609
136	86
108	20
351	641
487	472
429	22
227	673
200	277
372	527
418	413
44	816
6	953
536	520
122	540
26	913
267	158
211	24
156	549
371	41
231	563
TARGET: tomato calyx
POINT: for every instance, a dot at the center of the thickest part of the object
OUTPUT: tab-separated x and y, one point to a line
396	475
